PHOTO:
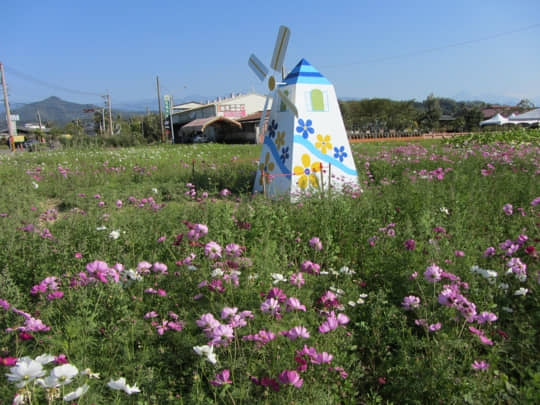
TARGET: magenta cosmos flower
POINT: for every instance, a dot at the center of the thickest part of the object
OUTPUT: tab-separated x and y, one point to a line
290	377
222	378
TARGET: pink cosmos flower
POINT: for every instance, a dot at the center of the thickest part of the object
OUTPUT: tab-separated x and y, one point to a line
434	327
410	302
228	312
119	203
296	332
535	202
433	273
233	250
459	253
297	279
212	250
410	244
271	306
222	378
78	255
221	335
490	251
508	209
321	358
161	239
329	325
158	267
290	377
485	316
4	304
293	304
309	267
55	295
152	314
315	243
480	365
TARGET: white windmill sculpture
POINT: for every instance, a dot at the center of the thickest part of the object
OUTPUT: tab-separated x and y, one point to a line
305	146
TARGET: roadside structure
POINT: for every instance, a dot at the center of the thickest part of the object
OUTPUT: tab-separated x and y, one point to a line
216	120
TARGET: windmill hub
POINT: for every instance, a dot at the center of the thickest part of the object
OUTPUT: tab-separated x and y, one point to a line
271	83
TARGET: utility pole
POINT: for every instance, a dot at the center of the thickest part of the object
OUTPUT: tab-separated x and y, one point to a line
12	131
110	114
160	112
39	119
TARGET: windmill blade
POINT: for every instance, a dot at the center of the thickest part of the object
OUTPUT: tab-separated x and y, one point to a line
290	105
263	115
258	67
280	48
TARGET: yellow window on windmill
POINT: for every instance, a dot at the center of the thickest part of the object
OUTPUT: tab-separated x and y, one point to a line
317	100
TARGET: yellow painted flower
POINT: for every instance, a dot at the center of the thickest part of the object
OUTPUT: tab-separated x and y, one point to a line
280	139
307	172
323	143
266	168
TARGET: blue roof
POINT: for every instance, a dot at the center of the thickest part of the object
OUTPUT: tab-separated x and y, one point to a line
303	72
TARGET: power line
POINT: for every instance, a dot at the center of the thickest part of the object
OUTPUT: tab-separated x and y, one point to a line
438	48
53	86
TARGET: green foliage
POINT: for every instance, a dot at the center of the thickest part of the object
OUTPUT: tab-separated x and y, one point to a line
518	136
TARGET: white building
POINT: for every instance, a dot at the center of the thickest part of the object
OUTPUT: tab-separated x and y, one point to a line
220	115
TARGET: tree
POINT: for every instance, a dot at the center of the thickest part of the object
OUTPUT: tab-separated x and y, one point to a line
432	114
525	105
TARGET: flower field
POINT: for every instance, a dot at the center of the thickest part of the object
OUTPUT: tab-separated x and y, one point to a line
151	275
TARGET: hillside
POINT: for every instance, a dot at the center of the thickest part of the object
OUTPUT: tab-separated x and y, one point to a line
59	112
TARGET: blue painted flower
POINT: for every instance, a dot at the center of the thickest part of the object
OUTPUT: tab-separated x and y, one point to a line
339	153
284	154
305	128
272	129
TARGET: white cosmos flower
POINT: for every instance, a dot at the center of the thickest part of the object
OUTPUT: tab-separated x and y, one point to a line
24	371
64	373
48	382
278	278
121	385
76	394
346	270
45	358
207	351
217	273
101	228
155	190
521	291
90	373
35	185
114	234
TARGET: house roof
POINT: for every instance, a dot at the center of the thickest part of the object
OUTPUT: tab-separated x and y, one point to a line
202	123
532	115
253	117
303	72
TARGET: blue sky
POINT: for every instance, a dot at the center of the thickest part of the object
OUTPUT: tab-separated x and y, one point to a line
401	50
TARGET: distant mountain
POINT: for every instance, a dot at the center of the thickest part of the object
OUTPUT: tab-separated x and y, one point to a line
151	104
59	112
